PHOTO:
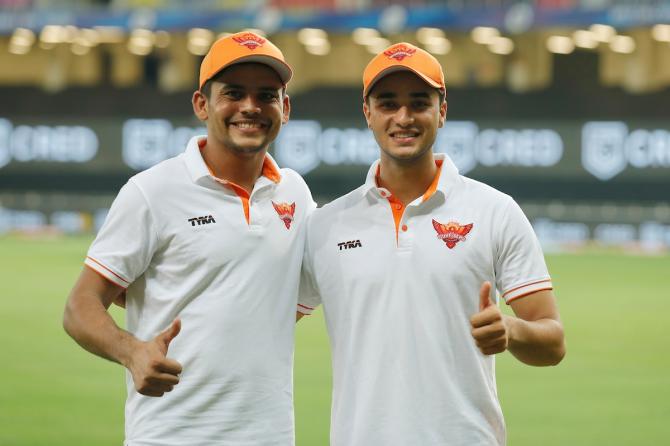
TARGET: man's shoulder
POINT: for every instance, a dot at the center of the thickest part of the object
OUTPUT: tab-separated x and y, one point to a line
292	178
161	175
340	205
474	190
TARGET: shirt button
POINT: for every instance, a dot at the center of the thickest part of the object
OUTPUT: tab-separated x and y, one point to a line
404	228
383	193
398	206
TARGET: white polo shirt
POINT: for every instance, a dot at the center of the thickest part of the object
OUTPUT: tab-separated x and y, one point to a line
180	243
406	370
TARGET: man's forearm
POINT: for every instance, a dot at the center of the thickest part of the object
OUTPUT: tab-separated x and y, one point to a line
538	343
87	321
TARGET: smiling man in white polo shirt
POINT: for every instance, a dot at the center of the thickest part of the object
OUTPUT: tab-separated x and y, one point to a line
206	250
403	266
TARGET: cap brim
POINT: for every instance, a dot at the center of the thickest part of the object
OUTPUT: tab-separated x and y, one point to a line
279	66
394	69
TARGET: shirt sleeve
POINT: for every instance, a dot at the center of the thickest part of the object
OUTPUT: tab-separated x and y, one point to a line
308	296
126	242
520	268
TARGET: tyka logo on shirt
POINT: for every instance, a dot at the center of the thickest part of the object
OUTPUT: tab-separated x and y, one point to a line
452	232
350	244
285	212
202	220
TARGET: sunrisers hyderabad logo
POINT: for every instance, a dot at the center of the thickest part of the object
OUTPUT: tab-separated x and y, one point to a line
451	232
285	212
399	52
249	40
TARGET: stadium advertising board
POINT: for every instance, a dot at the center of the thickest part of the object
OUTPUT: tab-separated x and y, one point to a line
596	150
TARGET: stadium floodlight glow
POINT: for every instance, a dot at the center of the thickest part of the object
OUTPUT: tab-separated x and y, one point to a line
88	37
312	36
321	48
622	44
199	41
377	45
661	32
71	33
109	34
162	39
21	41
603	33
438	45
501	45
141	42
53	34
585	39
428	35
560	44
363	36
484	35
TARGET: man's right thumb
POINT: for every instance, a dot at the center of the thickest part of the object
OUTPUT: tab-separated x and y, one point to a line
170	333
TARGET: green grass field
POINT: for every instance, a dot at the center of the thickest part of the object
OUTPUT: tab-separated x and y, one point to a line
613	388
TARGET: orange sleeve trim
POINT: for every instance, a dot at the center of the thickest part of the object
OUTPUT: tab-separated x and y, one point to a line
528	294
103	276
524	286
112	272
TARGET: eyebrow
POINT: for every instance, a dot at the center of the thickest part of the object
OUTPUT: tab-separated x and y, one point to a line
242	87
390	95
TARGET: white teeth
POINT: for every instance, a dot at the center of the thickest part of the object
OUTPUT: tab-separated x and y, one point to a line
404	135
248	125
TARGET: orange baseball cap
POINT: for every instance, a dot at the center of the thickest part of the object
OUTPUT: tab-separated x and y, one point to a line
404	57
243	47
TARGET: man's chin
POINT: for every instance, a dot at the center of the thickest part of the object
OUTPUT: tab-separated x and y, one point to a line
248	147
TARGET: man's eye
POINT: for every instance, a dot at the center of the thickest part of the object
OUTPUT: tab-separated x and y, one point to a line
268	97
420	104
387	104
233	94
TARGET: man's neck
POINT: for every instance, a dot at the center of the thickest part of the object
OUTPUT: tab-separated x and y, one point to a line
242	169
407	181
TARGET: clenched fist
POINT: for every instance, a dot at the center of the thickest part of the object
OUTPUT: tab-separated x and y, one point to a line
153	372
489	329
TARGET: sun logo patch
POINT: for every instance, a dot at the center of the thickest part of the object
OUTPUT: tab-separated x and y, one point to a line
452	232
285	212
399	52
249	40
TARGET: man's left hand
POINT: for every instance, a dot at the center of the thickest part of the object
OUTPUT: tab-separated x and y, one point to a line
489	327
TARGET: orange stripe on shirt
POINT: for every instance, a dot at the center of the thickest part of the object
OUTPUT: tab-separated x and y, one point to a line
115	275
524	286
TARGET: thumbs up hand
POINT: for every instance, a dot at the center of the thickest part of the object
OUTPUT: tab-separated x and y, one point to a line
152	371
489	328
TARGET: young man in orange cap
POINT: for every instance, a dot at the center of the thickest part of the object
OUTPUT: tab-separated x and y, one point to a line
404	267
206	248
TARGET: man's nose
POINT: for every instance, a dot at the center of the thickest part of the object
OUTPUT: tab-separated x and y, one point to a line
250	105
403	116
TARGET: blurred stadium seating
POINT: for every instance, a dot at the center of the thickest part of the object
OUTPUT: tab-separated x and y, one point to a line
561	103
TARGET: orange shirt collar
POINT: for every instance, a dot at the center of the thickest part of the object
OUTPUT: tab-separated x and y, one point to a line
270	170
433	186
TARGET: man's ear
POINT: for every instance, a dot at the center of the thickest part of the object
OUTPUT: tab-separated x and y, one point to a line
287	109
366	112
199	101
443	112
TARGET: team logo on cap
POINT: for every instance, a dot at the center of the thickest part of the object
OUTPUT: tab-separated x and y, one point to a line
285	212
249	40
452	232
399	52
